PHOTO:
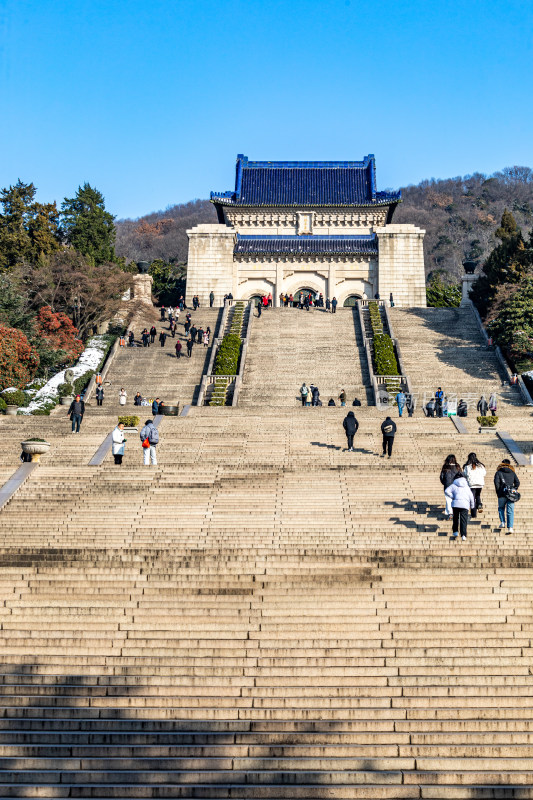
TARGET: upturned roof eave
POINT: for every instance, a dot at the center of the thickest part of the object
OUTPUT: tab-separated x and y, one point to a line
219	201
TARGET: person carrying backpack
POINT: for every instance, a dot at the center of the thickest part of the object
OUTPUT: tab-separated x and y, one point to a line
388	429
506	483
462	500
149	436
450	470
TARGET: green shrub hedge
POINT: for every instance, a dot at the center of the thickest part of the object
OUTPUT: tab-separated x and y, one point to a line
130	421
384	356
15	398
488	422
385	362
228	355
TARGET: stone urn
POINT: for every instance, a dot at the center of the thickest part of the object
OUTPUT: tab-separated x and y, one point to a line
11	410
66	401
143	267
35	449
469	266
170	411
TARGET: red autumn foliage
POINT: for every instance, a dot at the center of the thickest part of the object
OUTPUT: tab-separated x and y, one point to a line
57	329
18	359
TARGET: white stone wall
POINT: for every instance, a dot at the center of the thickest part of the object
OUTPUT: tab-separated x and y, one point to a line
401	265
399	268
210	266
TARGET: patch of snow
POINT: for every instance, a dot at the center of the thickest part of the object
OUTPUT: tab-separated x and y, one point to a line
89	360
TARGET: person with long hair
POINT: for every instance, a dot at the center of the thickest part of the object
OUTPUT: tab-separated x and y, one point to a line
449	470
462	500
474	471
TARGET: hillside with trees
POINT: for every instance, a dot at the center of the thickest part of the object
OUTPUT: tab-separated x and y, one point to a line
162	235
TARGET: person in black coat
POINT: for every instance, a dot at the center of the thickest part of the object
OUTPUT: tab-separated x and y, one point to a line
200	335
162	338
331	401
99	395
137	400
190	344
193	331
155	406
388	429
351	426
76	412
505	478
153	332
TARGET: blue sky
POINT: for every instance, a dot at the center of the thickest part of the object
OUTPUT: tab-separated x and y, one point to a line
151	101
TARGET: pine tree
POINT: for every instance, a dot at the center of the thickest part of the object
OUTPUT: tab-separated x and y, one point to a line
28	230
509	262
88	227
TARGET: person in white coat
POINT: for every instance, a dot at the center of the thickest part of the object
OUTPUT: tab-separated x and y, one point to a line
122	397
474	472
118	443
462	501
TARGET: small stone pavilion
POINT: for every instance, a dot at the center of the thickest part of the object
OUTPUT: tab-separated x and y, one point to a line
313	226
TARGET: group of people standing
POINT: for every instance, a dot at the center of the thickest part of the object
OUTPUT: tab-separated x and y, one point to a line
149	436
463	487
310	396
306	301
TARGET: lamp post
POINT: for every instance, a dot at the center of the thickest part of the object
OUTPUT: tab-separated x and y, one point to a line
468	280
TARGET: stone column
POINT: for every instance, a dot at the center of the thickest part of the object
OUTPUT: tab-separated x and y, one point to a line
332	280
277	288
401	265
142	288
210	264
468	280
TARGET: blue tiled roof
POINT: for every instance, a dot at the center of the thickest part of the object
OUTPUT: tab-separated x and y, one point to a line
305	183
349	245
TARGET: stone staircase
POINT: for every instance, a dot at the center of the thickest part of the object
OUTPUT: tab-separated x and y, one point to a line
263	614
289	346
444	347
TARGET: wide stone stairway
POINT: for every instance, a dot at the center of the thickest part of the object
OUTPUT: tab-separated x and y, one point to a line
263	614
289	346
444	347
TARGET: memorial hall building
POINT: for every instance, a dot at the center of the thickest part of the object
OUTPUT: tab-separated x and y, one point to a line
313	226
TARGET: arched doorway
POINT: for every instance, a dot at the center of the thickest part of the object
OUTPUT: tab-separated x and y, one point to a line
351	300
305	292
255	298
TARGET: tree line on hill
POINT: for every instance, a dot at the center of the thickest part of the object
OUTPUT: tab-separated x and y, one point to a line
59	276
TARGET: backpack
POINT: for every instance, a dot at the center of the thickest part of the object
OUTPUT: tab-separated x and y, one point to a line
153	436
511	494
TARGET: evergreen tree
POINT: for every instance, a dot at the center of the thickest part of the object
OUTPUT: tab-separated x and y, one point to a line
509	262
512	328
28	230
442	295
88	227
